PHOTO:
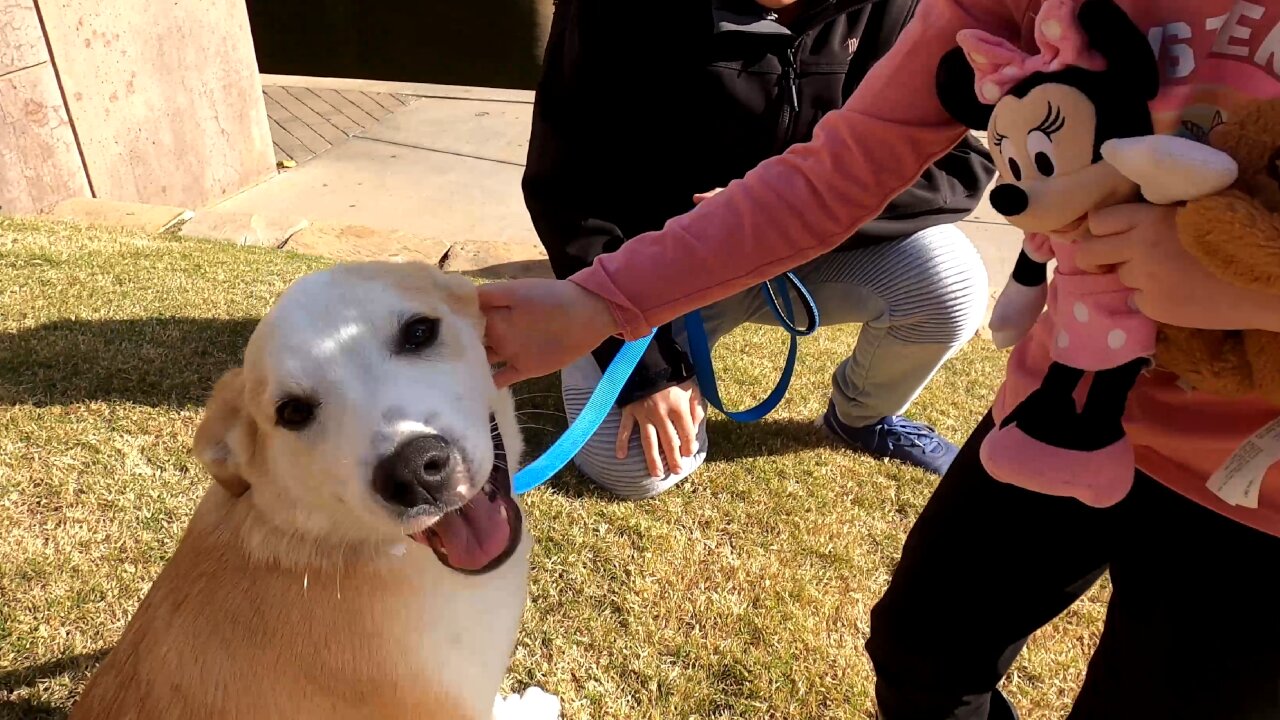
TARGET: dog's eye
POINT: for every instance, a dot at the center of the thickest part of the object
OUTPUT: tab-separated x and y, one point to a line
295	413
418	334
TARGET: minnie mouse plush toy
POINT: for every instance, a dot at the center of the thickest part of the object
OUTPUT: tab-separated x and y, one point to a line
1070	131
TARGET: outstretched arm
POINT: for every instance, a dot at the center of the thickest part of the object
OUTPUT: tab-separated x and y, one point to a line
798	205
790	209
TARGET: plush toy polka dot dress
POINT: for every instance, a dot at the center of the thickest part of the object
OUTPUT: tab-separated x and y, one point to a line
1071	132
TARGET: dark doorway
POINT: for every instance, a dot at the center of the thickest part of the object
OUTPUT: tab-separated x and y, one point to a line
490	43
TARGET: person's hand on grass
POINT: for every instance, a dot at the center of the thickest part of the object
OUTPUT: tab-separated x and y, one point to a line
668	425
536	327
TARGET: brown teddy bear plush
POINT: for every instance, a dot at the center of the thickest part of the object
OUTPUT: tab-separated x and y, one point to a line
1236	234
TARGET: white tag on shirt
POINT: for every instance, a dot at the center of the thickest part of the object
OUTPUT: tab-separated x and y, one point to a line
1239	479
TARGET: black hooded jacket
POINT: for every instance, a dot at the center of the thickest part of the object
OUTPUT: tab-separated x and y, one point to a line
641	106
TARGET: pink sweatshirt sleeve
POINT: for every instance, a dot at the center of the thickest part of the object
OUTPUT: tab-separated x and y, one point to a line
798	205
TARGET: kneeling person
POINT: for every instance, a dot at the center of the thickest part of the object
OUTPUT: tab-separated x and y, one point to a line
638	116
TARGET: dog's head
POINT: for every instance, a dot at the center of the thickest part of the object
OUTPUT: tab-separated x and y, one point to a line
365	411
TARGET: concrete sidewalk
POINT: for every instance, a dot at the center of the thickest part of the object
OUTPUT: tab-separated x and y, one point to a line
444	172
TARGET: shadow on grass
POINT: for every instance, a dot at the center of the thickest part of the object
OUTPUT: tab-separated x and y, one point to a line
16	679
31	710
158	362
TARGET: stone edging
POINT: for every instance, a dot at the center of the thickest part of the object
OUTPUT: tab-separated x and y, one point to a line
493	260
344	243
426	90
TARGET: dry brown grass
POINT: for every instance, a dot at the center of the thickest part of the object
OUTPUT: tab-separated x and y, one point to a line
743	593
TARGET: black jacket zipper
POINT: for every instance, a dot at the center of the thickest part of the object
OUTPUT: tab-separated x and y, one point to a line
791	100
818	14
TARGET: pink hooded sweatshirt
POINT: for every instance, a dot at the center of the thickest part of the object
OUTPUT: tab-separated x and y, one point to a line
1217	56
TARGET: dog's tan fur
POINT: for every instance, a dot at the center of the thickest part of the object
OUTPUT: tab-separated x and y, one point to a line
176	638
255	618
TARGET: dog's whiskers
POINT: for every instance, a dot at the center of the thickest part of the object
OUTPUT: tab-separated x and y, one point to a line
529	395
541	412
337	568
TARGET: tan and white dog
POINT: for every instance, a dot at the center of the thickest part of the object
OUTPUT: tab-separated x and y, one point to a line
361	554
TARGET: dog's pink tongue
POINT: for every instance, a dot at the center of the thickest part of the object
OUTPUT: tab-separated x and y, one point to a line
475	535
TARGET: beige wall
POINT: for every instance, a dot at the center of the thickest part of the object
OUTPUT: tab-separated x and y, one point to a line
162	102
39	163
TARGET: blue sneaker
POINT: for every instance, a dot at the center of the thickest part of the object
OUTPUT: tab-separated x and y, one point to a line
896	438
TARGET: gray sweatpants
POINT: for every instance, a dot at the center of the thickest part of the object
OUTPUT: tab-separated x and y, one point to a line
918	299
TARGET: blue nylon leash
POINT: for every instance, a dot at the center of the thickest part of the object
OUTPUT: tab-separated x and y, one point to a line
624	363
587	422
700	348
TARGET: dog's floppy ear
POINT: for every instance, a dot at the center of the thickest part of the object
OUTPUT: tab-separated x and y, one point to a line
225	433
460	292
954	82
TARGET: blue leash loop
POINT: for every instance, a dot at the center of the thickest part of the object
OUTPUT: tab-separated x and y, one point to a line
624	363
700	348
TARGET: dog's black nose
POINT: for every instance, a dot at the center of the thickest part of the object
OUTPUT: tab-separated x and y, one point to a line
417	472
1009	200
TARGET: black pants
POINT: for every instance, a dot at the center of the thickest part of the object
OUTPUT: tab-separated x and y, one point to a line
1192	629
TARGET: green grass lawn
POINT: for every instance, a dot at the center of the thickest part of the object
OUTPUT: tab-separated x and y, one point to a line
743	593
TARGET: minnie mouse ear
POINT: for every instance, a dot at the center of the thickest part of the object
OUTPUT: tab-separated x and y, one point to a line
1114	36
954	83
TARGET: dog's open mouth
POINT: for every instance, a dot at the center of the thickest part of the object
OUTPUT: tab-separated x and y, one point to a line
482	534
